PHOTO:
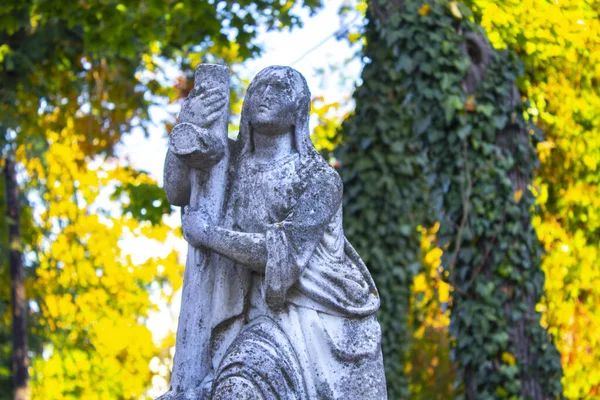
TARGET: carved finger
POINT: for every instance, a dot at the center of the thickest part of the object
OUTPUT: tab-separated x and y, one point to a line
213	99
213	115
210	118
199	103
186	106
211	91
210	108
196	102
193	93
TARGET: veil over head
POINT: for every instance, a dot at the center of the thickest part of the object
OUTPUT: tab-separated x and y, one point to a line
299	88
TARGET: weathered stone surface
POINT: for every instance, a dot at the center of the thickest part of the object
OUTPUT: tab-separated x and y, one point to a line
276	303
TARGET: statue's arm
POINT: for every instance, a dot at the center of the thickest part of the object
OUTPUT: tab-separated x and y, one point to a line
248	249
176	180
244	248
303	229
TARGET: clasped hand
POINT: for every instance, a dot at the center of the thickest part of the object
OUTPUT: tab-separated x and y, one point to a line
196	226
205	108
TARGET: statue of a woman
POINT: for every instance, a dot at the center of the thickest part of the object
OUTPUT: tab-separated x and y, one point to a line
292	304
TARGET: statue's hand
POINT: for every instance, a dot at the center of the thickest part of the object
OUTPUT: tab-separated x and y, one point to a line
205	108
197	147
195	226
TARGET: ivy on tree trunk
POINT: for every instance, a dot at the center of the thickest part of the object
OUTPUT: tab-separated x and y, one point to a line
385	197
439	126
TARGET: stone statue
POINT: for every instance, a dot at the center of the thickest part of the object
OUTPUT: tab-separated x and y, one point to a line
276	303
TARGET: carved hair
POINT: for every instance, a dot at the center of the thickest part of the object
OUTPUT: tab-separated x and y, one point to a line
299	90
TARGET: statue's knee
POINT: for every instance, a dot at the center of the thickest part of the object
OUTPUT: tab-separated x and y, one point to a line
235	387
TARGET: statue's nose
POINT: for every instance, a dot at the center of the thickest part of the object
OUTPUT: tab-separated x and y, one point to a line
267	92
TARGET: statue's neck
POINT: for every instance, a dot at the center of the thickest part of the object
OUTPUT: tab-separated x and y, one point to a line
272	147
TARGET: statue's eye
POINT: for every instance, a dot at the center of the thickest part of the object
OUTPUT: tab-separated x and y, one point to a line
263	88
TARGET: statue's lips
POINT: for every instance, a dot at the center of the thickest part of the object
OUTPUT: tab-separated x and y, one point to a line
263	107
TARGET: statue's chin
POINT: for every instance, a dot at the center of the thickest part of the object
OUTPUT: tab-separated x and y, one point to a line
270	127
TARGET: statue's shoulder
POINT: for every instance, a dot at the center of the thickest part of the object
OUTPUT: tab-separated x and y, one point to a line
320	174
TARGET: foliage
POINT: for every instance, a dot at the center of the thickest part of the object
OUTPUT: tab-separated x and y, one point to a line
559	44
325	135
91	295
385	198
431	371
75	77
412	94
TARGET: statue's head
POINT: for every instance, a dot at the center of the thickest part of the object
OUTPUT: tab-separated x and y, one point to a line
277	102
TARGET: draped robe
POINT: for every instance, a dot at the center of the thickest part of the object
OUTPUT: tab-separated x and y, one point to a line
306	328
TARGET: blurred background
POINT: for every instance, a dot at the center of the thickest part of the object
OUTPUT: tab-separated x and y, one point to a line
91	253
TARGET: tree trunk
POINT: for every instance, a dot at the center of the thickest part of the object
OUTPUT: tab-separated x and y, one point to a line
19	353
513	139
479	163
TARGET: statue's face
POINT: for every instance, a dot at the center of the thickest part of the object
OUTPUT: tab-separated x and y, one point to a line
273	105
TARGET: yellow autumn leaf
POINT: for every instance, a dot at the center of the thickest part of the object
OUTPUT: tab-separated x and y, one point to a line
4	51
155	46
420	283
454	10
362	7
354	37
508	358
433	257
424	10
470	103
443	292
517	195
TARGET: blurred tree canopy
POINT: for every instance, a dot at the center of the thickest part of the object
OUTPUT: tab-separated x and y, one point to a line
76	76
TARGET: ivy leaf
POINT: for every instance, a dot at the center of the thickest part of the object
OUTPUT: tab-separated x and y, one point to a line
500	121
451	105
405	63
486	109
463	132
420	125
